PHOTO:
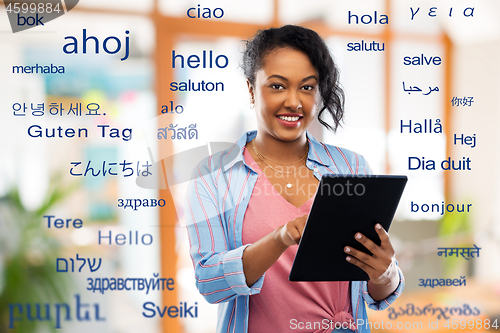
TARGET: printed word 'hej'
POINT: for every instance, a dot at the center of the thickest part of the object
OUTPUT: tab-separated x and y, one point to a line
428	126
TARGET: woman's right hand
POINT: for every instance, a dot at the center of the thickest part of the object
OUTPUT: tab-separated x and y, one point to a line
291	232
259	256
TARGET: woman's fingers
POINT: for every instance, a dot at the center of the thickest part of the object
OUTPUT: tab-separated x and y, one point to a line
361	256
385	248
301	224
375	267
370	246
368	269
385	242
292	231
379	264
294	234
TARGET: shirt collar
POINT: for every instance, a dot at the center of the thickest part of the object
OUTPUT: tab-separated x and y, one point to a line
317	151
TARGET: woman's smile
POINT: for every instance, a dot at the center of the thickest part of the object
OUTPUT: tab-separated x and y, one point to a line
289	119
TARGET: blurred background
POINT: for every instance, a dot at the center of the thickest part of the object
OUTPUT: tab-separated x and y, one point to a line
35	178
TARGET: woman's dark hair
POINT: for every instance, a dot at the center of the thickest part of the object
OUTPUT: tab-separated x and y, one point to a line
310	43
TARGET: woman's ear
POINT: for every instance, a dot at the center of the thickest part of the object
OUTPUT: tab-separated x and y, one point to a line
251	92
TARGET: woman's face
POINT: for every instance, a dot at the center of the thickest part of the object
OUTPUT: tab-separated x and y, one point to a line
286	94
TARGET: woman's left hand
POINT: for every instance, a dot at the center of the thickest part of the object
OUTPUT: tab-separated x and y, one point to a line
380	266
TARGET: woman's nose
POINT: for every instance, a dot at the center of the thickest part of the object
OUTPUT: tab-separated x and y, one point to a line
293	101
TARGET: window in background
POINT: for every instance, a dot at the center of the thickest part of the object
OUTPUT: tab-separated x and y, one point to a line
362	77
117	5
124	92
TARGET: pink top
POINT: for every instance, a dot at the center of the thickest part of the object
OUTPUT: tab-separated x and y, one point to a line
283	305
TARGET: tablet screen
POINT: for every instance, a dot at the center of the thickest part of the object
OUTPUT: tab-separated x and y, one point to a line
343	206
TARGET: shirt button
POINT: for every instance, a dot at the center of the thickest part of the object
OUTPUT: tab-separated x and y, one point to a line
316	169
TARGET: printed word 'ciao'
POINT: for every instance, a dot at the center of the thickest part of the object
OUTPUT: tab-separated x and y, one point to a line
204	13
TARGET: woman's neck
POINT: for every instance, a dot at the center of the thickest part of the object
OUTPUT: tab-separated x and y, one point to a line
279	150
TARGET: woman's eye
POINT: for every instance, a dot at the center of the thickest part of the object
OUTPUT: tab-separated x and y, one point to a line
308	87
277	86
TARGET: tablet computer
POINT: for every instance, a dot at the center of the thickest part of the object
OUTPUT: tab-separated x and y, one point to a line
343	206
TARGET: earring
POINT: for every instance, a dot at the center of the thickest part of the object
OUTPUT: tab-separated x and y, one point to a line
252	102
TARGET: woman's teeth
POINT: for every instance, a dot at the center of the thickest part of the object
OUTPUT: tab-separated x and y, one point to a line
287	118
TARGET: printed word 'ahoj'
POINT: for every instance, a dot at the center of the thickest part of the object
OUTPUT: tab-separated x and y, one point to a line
110	45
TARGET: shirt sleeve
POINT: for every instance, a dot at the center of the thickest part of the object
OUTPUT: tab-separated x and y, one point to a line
218	266
385	303
365	166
